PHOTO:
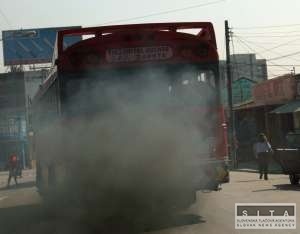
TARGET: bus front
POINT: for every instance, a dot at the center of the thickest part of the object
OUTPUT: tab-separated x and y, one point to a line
145	101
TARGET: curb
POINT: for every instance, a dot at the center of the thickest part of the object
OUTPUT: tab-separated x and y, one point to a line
255	171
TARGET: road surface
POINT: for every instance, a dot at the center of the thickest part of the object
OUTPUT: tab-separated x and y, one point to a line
21	211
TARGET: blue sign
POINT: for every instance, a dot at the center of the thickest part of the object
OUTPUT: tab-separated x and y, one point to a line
31	46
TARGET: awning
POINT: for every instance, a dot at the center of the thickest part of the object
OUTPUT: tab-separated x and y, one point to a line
290	107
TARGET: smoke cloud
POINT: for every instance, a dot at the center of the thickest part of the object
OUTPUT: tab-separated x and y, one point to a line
131	145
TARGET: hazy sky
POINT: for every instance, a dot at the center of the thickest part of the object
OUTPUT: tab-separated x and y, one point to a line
16	14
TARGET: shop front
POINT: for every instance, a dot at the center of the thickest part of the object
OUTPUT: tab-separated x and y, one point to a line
260	114
289	113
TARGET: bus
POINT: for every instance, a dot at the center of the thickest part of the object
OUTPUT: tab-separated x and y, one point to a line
132	111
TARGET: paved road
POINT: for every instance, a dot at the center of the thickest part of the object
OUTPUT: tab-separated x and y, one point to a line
216	209
21	212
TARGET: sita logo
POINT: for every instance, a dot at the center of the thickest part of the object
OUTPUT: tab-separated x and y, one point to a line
271	213
265	216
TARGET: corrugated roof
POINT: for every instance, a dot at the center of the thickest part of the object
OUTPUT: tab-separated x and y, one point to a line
290	107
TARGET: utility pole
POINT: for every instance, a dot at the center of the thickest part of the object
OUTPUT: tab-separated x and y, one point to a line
232	151
293	71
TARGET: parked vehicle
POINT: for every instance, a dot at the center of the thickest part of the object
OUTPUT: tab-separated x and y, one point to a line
289	157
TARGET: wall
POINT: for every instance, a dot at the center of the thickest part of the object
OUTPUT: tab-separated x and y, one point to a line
33	79
275	91
247	66
242	90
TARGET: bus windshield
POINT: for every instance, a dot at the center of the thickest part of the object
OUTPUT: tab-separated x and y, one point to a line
188	86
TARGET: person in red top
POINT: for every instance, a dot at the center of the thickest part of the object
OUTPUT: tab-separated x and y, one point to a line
12	167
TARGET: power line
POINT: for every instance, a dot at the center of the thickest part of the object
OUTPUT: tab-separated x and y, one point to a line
165	12
270	50
261	65
264	32
280	45
292	65
270	26
269	36
252	51
270	65
276	43
234	58
285	56
249	47
6	19
283	67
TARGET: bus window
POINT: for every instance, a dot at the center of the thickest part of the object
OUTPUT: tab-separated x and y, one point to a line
195	88
103	90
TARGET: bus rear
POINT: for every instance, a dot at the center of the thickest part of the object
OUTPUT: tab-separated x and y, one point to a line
140	105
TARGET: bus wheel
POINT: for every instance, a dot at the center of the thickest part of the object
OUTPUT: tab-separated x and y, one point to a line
294	179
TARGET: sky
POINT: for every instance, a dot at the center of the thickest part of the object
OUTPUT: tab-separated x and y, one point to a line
269	28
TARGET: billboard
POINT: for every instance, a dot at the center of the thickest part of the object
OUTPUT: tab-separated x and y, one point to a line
31	46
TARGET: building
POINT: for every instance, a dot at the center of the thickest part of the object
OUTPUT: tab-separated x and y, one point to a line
16	90
23	49
274	110
246	71
242	90
247	66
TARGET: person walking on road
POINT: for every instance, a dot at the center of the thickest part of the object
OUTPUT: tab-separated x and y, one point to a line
12	168
262	151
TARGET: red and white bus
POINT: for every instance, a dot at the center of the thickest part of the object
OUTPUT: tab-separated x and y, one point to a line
114	66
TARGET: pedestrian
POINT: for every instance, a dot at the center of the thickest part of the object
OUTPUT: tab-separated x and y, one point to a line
262	152
12	168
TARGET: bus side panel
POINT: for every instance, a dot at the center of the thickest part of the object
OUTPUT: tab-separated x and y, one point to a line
45	116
